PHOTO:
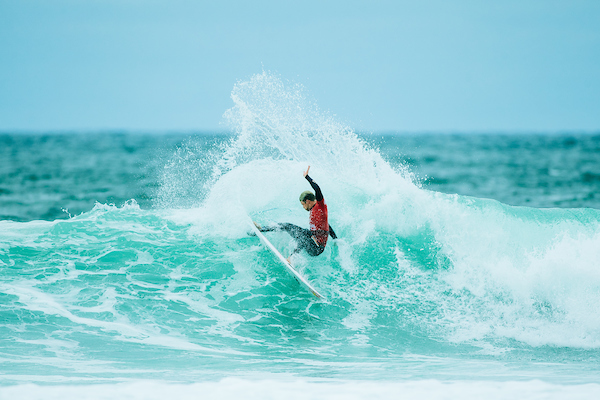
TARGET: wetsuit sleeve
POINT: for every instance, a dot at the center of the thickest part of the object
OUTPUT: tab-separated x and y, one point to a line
332	233
315	187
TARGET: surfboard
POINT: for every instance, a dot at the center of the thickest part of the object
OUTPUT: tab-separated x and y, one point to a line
288	266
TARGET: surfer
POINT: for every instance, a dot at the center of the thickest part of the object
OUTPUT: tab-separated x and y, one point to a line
311	240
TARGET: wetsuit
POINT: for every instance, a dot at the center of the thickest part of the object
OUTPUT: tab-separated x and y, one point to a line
312	240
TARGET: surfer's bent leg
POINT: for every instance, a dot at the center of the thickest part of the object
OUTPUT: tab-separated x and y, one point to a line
303	238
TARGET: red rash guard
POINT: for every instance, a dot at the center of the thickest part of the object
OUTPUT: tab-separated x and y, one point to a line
318	216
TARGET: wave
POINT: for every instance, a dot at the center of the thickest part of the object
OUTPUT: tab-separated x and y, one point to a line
413	268
465	268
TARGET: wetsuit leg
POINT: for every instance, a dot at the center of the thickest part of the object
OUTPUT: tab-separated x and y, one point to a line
302	236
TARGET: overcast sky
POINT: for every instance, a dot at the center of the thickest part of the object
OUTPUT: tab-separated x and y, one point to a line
378	65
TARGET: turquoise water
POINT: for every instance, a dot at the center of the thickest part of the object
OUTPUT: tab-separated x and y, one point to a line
461	258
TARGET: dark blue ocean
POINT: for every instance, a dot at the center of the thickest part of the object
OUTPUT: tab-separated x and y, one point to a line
467	265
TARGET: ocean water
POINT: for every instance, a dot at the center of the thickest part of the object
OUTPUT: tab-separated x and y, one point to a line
467	266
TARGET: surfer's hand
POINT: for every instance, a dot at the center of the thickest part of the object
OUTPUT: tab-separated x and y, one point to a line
306	172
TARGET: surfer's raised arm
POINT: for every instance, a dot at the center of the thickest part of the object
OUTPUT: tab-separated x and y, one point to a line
313	184
306	172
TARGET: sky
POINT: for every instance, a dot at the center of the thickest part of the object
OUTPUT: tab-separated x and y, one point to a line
405	66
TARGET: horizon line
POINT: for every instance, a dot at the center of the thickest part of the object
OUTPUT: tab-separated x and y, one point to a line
225	132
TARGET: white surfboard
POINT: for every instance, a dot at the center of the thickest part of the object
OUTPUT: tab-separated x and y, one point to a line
288	266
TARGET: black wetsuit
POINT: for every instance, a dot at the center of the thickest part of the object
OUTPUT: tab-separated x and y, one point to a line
305	238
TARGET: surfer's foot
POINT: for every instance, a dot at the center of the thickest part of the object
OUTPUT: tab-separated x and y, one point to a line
257	226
